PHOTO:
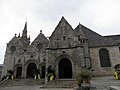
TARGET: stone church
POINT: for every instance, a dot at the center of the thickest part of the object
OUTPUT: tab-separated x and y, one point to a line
66	50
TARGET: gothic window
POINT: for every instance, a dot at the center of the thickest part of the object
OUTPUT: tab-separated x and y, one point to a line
39	46
104	58
13	49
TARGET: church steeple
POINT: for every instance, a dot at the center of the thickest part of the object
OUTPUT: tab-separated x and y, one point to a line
24	34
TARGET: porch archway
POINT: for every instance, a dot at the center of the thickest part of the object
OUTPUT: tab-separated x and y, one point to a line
65	69
31	69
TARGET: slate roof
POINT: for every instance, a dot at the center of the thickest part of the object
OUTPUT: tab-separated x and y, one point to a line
114	37
95	39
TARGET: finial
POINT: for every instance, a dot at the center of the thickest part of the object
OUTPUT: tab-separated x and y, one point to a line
15	34
29	36
19	35
40	31
62	18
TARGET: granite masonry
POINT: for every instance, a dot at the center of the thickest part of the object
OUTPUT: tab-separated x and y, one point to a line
66	50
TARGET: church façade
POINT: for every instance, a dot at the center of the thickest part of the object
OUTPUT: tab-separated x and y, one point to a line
66	50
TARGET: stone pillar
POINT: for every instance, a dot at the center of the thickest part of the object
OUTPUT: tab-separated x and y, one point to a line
86	54
23	69
82	59
57	71
46	60
23	72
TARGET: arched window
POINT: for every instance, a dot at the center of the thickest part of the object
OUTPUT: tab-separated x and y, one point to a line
104	58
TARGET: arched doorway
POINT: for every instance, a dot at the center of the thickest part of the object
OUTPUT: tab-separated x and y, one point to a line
65	68
31	69
19	72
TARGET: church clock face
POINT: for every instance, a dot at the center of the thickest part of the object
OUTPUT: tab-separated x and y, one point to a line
39	46
13	48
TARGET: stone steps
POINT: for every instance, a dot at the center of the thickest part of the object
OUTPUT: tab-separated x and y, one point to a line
62	83
28	82
23	82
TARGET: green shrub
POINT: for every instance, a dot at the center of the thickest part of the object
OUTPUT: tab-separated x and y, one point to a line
84	75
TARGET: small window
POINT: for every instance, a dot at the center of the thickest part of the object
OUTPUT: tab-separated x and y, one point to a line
104	58
64	37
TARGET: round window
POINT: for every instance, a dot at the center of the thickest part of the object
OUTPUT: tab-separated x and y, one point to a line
39	46
13	48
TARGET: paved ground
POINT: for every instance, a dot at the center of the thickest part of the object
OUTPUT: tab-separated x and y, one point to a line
20	88
31	88
101	83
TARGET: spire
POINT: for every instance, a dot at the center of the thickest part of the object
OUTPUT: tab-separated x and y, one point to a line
24	34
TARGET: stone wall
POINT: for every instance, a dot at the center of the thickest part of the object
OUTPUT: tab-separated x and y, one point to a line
114	55
75	56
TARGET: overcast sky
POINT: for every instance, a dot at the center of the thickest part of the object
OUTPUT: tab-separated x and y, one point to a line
102	16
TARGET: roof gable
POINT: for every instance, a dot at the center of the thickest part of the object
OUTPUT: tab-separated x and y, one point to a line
79	32
14	40
63	29
40	39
